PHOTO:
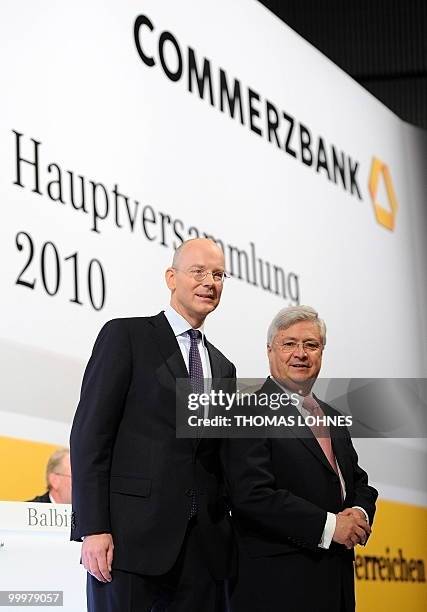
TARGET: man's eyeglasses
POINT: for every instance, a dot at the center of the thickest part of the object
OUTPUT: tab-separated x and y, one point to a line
308	346
199	275
61	474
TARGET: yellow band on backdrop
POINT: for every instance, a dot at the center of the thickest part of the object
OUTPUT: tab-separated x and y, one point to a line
23	467
390	570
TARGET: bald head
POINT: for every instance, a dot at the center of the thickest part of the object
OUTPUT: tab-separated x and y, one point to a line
195	299
192	246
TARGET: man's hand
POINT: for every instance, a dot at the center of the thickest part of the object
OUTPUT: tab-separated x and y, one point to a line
97	555
351	528
353	512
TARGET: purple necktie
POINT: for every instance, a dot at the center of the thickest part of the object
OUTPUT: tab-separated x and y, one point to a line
195	363
196	377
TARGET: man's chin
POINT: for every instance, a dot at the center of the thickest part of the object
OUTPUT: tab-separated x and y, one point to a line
301	380
300	377
205	307
299	373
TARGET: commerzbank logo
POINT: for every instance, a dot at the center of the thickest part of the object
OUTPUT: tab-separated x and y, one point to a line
201	76
385	211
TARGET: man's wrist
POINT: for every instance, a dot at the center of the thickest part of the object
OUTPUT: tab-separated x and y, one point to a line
363	511
328	531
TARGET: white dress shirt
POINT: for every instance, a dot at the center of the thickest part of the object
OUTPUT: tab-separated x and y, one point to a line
180	327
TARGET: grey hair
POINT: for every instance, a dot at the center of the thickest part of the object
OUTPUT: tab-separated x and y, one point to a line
293	314
54	462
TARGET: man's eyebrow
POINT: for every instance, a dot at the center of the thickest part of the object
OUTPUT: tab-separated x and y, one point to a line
304	340
218	269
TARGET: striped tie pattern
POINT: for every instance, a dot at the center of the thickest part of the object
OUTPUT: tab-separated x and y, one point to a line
196	378
195	363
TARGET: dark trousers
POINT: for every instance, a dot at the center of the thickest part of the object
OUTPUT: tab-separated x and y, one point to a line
187	587
294	582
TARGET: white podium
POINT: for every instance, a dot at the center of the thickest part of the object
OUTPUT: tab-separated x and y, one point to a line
36	555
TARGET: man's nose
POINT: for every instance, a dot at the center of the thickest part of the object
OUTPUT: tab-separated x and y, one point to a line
300	351
208	280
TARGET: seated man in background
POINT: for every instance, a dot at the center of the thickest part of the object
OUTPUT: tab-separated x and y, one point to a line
300	503
58	479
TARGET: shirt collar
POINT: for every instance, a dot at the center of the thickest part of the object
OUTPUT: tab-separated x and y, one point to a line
179	324
300	397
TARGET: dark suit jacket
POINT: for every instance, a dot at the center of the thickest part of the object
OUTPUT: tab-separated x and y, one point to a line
132	477
281	490
41	499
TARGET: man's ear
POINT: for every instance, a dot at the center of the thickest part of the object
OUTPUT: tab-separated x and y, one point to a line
170	277
53	480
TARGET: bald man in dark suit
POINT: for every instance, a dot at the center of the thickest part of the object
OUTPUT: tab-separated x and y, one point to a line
150	506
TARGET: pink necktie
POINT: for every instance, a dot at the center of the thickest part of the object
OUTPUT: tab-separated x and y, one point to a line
321	432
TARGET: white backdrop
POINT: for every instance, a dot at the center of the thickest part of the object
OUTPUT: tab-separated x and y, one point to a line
74	82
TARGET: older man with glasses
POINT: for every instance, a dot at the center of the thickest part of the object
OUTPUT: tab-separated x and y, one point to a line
300	503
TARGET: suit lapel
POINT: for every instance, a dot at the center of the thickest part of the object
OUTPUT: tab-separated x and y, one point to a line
338	440
306	436
303	433
173	366
215	362
168	346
